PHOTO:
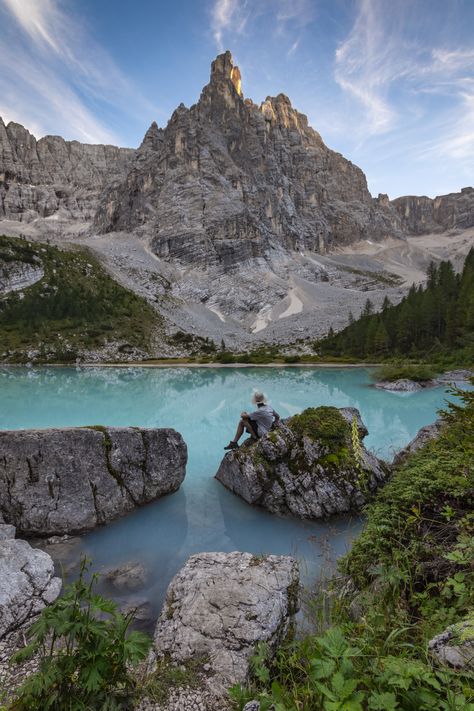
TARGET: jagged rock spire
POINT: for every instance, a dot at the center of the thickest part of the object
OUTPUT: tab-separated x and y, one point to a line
223	68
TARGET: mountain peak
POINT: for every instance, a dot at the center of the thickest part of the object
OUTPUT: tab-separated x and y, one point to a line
223	68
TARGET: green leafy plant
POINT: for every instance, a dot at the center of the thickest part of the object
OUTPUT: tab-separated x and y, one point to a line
86	652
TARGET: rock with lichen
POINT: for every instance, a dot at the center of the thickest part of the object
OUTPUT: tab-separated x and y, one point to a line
219	606
454	647
313	465
27	581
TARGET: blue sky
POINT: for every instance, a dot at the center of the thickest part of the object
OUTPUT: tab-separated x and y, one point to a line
388	83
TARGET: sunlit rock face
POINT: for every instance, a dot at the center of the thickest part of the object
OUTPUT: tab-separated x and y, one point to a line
228	181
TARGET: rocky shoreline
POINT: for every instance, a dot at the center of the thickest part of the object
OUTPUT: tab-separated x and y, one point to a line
219	606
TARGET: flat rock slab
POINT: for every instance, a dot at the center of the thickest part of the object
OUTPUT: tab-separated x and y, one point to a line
220	605
27	583
62	481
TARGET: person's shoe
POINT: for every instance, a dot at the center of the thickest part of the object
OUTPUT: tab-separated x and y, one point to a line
232	445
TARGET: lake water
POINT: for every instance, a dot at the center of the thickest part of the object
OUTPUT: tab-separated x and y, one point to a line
204	404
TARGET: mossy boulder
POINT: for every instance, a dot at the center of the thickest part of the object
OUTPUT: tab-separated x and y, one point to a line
313	465
455	646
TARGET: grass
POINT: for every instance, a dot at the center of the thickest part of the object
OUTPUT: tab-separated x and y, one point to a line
75	307
408	576
419	372
167	676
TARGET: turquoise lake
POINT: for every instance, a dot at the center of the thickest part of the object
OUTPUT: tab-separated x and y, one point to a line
204	405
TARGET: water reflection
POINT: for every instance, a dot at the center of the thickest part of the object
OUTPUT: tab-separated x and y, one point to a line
204	404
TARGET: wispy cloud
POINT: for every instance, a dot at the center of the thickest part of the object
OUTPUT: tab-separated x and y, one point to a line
370	59
57	72
387	74
284	18
227	15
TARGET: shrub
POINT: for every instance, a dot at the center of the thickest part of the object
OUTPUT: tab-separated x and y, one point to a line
86	652
410	371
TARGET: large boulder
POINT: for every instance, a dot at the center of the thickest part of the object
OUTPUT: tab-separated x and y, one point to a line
307	467
70	480
27	582
220	605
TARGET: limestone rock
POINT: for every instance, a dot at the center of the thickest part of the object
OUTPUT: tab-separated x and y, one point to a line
424	215
455	646
39	178
301	474
6	532
220	605
455	376
27	583
57	481
227	182
422	437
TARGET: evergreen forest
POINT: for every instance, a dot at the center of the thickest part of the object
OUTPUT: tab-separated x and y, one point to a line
434	322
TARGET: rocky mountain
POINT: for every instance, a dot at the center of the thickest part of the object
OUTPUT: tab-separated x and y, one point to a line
38	178
235	221
422	215
228	181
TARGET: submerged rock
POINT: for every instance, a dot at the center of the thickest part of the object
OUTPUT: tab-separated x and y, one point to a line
27	582
70	480
306	467
128	576
403	385
422	437
455	646
220	605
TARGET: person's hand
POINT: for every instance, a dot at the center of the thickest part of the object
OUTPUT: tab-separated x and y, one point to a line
244	414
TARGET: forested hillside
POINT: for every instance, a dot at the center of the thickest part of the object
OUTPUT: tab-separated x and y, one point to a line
64	305
434	321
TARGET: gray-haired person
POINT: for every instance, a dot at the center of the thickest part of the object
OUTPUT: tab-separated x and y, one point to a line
258	423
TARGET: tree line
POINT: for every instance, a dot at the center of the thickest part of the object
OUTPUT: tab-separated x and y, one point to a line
431	320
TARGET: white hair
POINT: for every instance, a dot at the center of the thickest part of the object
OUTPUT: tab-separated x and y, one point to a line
258	396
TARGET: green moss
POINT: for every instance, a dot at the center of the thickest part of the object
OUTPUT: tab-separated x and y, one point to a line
75	306
323	424
463	632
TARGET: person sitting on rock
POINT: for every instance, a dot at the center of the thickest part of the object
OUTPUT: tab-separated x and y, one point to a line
258	423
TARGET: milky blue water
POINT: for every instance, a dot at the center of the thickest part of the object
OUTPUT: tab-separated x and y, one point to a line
204	404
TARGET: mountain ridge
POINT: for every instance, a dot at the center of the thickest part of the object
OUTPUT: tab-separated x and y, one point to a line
235	220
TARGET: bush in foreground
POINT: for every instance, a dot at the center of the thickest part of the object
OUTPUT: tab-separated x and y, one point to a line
86	654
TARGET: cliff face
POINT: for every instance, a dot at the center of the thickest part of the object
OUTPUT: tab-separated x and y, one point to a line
37	178
227	181
422	215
